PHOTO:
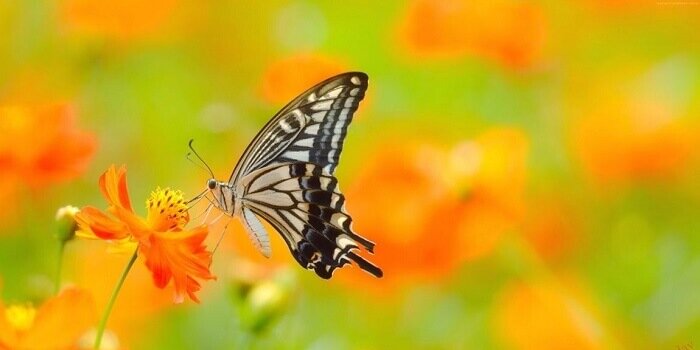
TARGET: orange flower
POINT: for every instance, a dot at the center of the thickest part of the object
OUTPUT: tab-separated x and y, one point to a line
139	305
285	79
444	207
117	20
397	216
170	252
58	324
545	315
636	131
41	144
615	145
487	178
509	32
552	226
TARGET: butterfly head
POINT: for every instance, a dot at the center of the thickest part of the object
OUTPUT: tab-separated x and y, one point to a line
215	190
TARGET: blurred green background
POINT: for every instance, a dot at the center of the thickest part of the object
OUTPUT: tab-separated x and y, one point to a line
528	169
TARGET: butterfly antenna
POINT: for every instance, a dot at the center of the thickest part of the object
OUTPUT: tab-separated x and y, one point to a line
198	165
206	166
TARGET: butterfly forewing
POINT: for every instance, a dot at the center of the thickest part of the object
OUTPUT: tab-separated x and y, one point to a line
311	128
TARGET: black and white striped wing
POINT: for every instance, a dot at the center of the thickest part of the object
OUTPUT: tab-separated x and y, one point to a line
287	178
309	129
303	203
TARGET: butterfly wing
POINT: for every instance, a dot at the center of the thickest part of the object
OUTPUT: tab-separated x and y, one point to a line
303	203
311	128
287	177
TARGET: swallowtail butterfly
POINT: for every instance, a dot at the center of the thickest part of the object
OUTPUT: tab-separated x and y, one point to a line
285	176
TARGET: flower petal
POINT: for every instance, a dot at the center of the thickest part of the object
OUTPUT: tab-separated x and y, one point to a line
93	220
136	225
113	187
180	256
42	143
122	247
61	321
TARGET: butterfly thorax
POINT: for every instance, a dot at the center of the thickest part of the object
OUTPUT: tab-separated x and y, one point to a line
224	196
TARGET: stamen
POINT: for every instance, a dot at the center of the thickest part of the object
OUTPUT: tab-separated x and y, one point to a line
166	209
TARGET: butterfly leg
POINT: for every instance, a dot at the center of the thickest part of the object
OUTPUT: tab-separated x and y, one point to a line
221	238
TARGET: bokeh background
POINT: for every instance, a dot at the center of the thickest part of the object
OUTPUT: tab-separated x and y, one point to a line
528	169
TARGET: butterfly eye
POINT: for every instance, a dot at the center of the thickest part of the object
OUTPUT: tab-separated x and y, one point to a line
211	184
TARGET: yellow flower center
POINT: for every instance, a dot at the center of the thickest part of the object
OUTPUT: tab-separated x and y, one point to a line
20	317
167	210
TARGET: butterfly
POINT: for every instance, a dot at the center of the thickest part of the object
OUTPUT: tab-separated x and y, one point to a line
286	177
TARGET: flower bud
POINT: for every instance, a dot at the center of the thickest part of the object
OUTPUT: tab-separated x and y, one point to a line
261	302
67	225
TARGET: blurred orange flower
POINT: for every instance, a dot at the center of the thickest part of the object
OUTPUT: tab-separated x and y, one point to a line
623	138
509	32
285	79
41	144
138	305
58	324
552	226
545	315
117	20
397	214
170	252
487	176
432	209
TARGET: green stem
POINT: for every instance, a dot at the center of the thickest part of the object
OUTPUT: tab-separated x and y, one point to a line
57	285
112	299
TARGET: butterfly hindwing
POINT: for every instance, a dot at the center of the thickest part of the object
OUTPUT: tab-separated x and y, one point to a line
303	202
